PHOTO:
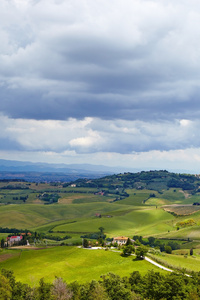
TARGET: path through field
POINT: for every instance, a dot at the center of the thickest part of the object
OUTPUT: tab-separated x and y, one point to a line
157	265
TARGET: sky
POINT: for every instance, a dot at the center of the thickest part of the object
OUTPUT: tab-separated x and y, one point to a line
113	83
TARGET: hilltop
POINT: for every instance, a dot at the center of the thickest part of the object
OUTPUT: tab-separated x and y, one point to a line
151	180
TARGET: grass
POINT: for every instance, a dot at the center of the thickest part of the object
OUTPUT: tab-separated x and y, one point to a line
45	217
130	216
75	215
173	196
190	263
3	235
192	232
140	222
136	197
156	202
31	216
166	197
71	264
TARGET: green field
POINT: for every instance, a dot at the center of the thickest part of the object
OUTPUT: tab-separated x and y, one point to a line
35	215
126	207
181	261
140	222
115	218
70	263
118	218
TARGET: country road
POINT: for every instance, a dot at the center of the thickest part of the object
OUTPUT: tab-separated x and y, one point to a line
157	265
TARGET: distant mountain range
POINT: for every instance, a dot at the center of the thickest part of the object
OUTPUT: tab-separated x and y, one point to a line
20	166
11	169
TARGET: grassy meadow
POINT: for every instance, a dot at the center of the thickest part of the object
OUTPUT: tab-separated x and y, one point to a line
136	222
70	263
180	259
117	219
124	211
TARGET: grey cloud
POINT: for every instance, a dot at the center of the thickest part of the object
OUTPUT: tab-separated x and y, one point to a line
139	62
8	144
49	104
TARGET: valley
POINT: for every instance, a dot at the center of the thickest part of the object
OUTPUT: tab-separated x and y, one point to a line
155	204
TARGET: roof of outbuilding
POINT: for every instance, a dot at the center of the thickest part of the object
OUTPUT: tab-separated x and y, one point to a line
121	238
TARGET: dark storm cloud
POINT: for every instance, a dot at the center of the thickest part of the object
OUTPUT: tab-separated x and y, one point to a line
20	103
136	62
135	72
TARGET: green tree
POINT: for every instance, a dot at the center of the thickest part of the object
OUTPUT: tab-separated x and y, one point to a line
75	287
141	251
137	243
152	285
128	242
115	287
101	241
44	290
168	249
2	243
22	291
85	243
102	235
9	275
128	250
151	240
176	286
96	291
135	281
138	237
101	230
5	288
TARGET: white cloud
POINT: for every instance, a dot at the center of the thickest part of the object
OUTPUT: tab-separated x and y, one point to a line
89	141
185	123
91	134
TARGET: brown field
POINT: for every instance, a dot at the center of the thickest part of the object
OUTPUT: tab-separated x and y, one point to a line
7	256
42	186
67	200
37	201
71	197
182	210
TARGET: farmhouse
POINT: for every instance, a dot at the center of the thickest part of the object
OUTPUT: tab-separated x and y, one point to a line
120	240
14	239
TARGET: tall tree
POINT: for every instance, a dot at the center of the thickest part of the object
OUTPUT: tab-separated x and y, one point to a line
44	290
96	291
2	243
85	243
128	242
